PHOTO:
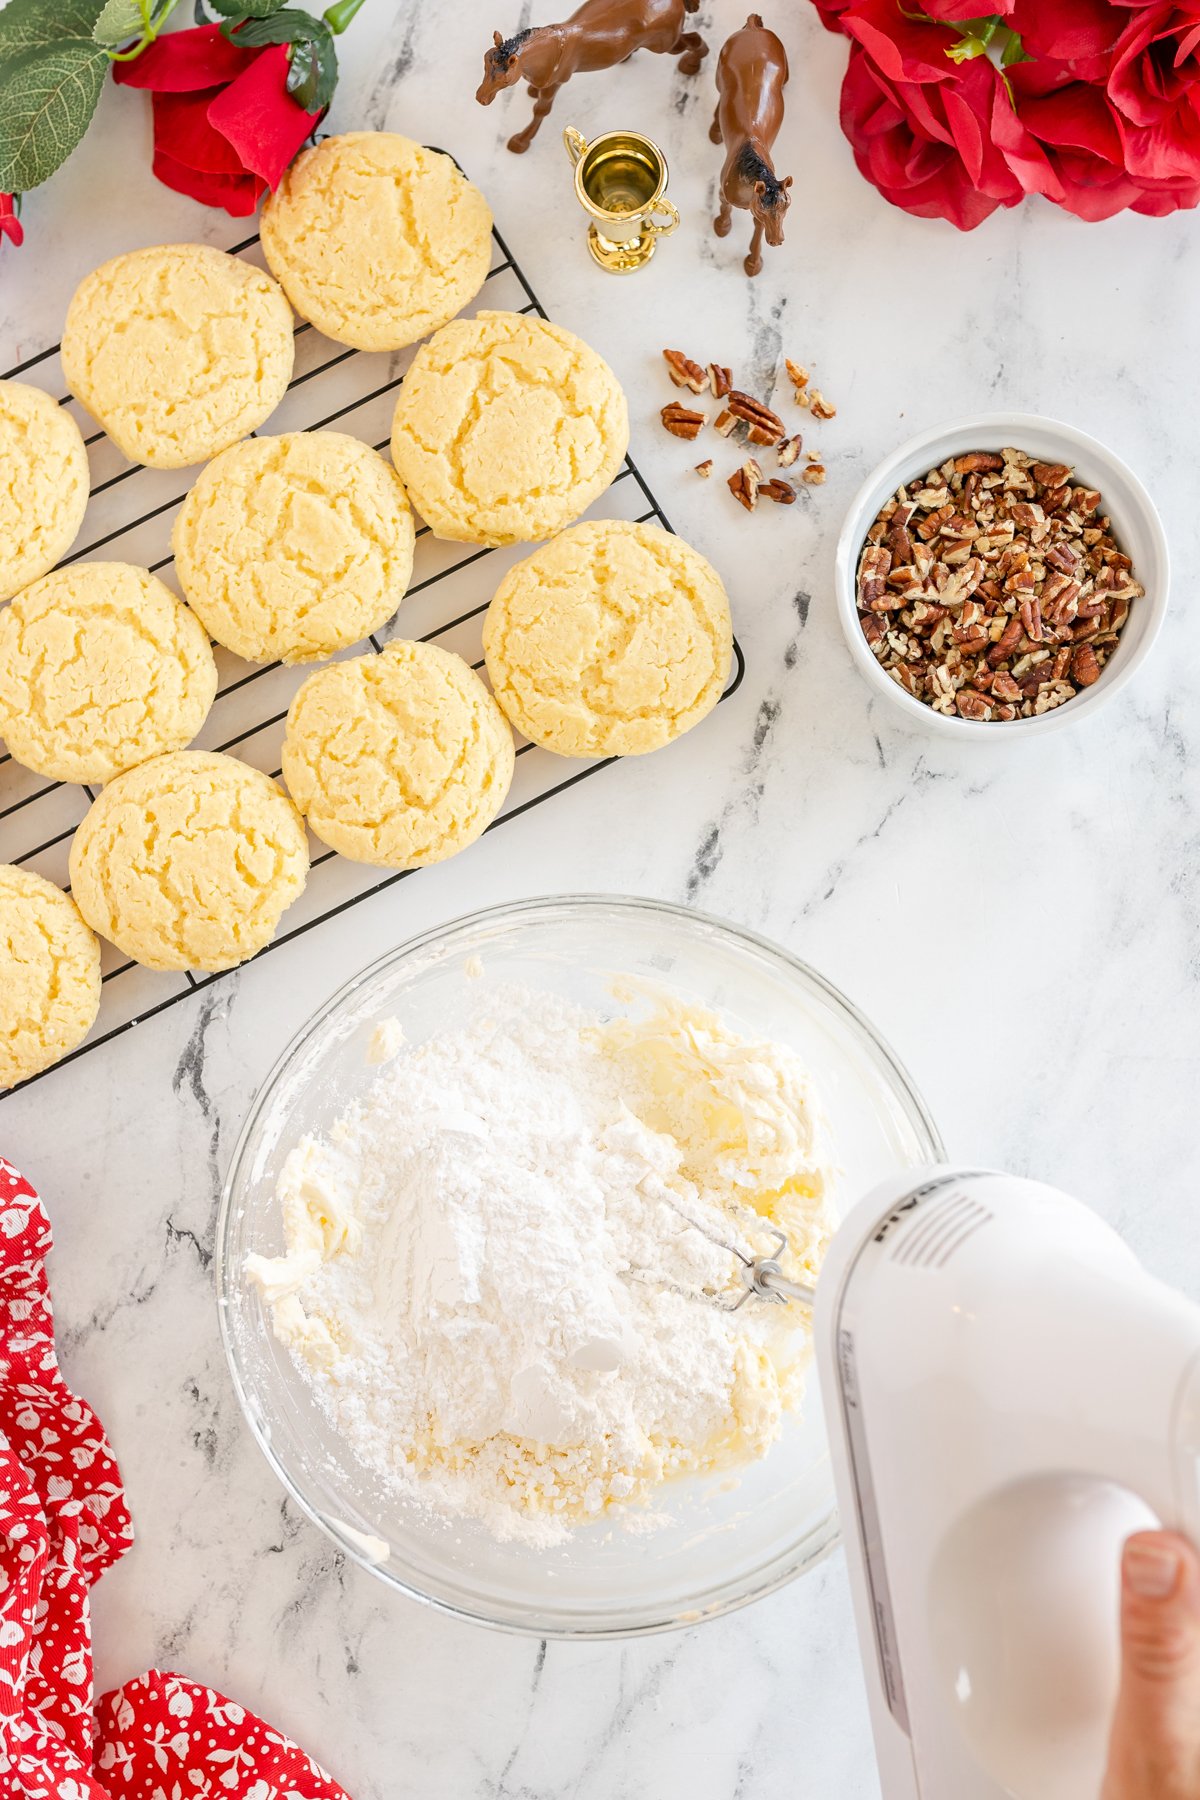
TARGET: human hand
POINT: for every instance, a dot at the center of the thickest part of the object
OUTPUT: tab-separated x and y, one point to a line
1154	1750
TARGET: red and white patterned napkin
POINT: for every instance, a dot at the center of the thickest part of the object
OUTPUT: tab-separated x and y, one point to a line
63	1521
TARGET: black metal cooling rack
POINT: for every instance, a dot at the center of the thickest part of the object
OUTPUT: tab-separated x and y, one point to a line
131	510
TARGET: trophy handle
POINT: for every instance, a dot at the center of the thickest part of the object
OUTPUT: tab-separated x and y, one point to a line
575	142
670	222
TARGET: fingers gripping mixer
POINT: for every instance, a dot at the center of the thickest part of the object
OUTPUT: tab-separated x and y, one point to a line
1009	1395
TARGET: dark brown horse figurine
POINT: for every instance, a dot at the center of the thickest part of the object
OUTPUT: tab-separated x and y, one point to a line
598	35
751	72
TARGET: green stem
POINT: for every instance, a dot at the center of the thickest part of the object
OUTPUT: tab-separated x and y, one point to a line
152	23
339	15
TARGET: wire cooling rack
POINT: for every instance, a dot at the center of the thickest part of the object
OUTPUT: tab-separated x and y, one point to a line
129	519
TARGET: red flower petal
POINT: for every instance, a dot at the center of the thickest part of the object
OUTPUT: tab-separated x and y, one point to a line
238	194
258	116
905	49
180	62
182	131
10	226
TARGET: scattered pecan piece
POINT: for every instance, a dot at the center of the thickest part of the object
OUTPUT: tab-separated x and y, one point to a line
819	406
798	375
813	473
764	426
705	468
681	421
724	422
720	380
789	450
782	492
684	372
744	484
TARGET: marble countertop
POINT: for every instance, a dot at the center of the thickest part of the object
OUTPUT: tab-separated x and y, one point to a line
1019	921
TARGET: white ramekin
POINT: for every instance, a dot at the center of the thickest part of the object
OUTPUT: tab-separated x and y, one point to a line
1136	526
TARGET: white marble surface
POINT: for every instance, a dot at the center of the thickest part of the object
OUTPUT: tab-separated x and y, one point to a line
1021	923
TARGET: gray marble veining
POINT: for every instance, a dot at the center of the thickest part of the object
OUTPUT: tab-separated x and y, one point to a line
1023	924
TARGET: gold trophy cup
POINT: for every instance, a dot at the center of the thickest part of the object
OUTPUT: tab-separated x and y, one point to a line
621	183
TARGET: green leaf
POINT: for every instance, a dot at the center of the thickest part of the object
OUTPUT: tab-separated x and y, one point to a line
247	9
286	25
47	98
1014	51
313	73
120	20
32	24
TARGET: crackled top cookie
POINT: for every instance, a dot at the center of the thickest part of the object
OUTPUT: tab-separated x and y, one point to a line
178	351
293	547
398	759
49	975
507	428
377	240
608	641
101	667
188	861
43	484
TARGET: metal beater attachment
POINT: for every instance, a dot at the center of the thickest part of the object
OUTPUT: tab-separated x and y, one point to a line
764	1277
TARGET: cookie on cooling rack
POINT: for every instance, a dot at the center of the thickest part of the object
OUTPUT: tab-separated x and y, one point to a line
610	640
49	975
399	759
178	351
45	486
376	240
189	861
289	548
507	428
101	667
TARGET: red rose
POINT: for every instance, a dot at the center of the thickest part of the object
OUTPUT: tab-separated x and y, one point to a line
1154	84
225	126
938	138
1081	134
1068	40
10	226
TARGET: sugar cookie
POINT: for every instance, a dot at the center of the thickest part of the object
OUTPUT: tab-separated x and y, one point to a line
293	547
377	240
398	759
507	428
178	351
101	667
43	484
49	975
188	861
609	641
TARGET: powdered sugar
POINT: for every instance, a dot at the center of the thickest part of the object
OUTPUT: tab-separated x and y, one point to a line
491	1281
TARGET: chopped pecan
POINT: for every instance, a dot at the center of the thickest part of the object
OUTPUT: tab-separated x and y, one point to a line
744	484
763	425
798	375
720	380
681	421
724	422
1084	666
819	406
789	450
777	489
705	468
977	462
813	473
684	372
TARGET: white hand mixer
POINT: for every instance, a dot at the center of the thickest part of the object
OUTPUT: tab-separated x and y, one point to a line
1009	1394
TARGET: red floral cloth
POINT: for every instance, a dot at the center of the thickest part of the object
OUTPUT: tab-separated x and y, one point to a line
63	1521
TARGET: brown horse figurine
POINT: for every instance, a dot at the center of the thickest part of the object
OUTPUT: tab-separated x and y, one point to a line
598	35
751	72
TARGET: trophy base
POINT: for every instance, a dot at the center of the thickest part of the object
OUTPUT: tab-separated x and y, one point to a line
621	259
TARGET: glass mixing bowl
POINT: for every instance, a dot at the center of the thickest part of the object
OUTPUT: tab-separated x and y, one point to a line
728	1542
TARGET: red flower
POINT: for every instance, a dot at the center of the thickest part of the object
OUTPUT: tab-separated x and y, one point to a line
1068	40
10	226
225	126
937	138
1154	84
1081	134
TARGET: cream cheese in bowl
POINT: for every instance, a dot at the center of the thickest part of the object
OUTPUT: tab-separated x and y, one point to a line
477	1297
